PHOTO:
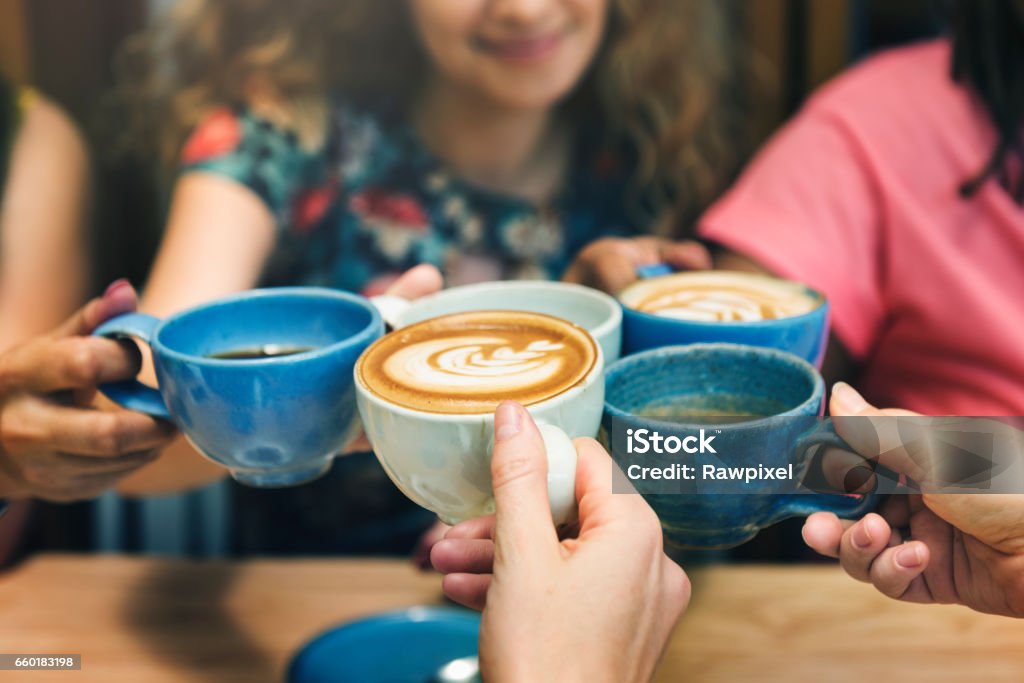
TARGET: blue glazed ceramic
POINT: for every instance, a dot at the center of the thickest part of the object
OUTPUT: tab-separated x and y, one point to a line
726	379
399	647
803	335
273	421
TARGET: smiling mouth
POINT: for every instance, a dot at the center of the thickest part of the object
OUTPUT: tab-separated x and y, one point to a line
522	51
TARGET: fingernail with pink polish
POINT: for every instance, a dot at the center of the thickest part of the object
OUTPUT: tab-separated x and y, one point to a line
117	285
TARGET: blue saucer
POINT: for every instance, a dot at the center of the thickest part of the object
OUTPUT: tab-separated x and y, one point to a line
408	646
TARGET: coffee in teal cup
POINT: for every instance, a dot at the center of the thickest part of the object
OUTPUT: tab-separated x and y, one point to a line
750	414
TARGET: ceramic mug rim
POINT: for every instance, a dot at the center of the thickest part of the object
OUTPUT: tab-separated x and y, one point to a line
368	332
777	355
612	306
719	324
593	375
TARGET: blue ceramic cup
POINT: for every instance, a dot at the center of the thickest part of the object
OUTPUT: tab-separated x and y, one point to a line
762	409
722	306
364	650
272	421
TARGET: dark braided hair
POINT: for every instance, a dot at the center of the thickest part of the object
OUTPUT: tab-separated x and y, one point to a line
988	56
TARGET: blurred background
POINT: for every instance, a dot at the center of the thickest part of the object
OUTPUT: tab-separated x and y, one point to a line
67	50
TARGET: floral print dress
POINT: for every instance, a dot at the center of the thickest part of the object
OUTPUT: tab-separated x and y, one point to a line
372	202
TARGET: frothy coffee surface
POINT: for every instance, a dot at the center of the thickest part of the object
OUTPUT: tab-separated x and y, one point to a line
470	362
721	297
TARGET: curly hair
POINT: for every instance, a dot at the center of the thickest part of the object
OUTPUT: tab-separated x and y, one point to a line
668	81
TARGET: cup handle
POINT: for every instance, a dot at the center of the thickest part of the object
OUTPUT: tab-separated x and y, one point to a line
561	473
131	393
391	308
804	504
654	270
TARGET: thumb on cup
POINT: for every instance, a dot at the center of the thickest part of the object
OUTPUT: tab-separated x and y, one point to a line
888	437
519	470
120	297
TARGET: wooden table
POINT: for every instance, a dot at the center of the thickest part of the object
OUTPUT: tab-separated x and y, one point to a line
155	621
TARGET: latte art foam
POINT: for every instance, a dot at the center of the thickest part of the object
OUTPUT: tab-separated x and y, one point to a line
713	303
435	366
470	362
720	297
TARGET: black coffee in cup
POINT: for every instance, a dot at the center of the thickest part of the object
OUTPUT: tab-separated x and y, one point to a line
258	352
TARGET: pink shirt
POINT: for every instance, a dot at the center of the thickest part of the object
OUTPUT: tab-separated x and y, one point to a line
857	196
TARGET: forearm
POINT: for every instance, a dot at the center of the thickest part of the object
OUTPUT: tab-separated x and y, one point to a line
44	269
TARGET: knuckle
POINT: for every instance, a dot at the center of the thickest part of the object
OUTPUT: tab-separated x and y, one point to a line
510	470
108	437
681	582
675	586
16	436
82	365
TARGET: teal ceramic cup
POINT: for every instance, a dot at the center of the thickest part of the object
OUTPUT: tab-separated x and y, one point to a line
753	408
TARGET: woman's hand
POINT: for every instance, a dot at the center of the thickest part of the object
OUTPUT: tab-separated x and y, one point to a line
610	264
53	443
597	607
966	549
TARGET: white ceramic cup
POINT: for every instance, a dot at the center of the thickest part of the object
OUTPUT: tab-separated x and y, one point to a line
442	461
594	311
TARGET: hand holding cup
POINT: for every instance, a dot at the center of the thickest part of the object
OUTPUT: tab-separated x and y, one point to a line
54	444
530	584
933	548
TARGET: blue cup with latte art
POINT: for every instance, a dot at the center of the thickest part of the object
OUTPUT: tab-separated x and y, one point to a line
723	306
